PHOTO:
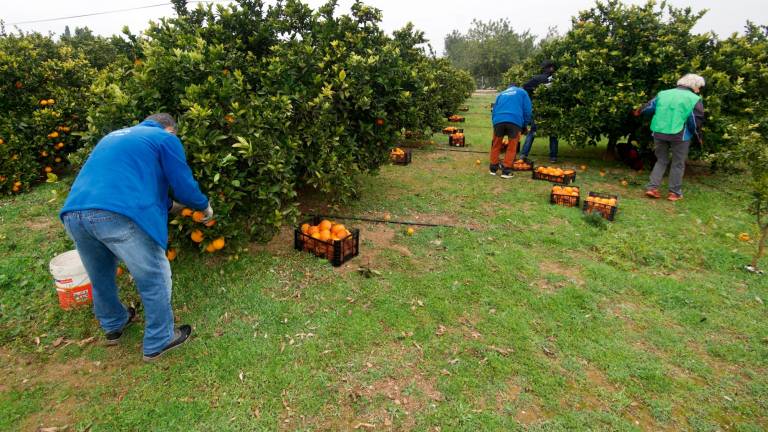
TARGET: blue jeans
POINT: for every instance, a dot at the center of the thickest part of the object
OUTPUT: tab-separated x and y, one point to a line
102	238
553	144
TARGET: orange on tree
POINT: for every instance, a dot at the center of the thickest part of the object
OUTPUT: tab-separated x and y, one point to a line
744	237
2	141
198	216
170	254
219	243
210	248
57	160
48	169
186	212
44	153
51	101
19	84
210	223
197	236
229	118
43	102
53	134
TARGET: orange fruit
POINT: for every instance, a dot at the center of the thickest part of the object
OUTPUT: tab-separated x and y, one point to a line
171	254
198	216
219	243
197	236
2	141
379	122
325	235
210	223
19	84
186	212
315	235
210	248
313	230
43	102
48	169
57	160
229	118
583	167
410	231
44	153
744	237
325	225
305	228
53	135
51	101
60	145
612	202
119	271
338	229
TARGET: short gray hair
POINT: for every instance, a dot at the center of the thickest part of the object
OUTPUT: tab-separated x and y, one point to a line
692	81
165	119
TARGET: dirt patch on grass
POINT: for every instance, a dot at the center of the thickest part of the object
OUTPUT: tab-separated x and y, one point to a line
281	244
42	223
525	408
62	381
366	400
571	274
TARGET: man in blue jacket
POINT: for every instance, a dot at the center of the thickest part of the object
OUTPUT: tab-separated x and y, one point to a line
511	113
117	210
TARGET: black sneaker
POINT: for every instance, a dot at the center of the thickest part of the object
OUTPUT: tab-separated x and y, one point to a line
507	174
553	160
113	338
492	169
180	335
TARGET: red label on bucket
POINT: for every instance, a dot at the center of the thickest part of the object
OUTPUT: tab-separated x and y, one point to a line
64	281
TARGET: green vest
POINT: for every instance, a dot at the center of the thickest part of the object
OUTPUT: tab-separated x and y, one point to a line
673	107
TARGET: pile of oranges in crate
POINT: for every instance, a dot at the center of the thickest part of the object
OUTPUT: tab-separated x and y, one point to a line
457	139
323	238
605	205
399	156
565	195
456	118
522	165
555	175
450	130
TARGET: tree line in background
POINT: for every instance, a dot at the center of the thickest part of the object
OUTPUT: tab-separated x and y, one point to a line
270	100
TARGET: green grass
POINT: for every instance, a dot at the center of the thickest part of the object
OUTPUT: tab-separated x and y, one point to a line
526	317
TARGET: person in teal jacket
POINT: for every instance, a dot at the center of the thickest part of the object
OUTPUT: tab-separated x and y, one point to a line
678	114
117	210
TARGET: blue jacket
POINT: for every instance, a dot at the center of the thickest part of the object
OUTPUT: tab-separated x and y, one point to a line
130	172
513	105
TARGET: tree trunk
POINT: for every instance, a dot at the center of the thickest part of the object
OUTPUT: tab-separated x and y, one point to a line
610	151
760	246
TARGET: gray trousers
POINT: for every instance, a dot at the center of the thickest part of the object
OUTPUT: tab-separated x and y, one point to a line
679	150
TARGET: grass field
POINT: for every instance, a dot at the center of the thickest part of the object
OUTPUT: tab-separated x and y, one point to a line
523	317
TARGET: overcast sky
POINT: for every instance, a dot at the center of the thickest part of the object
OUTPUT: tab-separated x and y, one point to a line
435	17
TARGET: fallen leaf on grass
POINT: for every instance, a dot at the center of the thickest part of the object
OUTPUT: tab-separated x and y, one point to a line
365	426
36	340
453	362
86	341
53	429
241	376
440	330
445	372
548	351
502	351
58	342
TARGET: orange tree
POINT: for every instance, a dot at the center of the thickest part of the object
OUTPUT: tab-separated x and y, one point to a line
274	99
613	59
43	97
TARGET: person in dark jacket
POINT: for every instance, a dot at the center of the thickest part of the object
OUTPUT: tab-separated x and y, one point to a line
678	114
545	77
511	113
118	209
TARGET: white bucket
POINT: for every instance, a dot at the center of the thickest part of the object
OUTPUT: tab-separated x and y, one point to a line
72	283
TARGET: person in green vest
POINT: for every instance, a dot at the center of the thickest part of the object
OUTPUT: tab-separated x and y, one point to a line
678	114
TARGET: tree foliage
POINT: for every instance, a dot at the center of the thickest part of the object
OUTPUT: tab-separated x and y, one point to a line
276	99
488	49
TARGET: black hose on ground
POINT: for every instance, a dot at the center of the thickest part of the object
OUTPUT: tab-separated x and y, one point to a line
362	219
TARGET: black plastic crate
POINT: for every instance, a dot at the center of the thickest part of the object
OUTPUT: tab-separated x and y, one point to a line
450	130
564	199
336	251
402	159
527	165
457	119
562	179
605	210
455	141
